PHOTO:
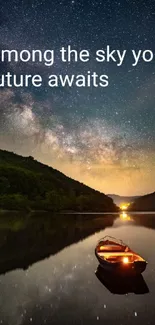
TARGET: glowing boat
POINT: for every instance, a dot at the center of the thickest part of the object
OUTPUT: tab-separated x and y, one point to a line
115	256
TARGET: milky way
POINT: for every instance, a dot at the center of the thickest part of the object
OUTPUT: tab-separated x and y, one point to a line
104	137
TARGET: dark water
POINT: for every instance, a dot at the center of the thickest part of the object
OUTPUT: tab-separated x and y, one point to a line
47	270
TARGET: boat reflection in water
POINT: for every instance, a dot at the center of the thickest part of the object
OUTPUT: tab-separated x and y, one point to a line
121	285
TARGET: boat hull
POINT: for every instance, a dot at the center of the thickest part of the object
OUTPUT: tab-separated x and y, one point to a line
134	268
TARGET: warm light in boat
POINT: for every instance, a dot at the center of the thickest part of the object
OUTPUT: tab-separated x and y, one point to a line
125	260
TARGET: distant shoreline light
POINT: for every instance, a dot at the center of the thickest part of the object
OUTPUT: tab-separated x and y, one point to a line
124	206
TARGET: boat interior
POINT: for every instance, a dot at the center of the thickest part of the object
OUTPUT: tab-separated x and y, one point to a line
116	253
113	248
120	257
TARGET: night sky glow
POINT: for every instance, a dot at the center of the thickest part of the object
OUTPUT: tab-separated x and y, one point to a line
103	137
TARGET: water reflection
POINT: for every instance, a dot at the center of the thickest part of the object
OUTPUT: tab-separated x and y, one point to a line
27	239
59	285
117	284
125	216
140	219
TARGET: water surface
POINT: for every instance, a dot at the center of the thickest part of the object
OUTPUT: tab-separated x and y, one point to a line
47	267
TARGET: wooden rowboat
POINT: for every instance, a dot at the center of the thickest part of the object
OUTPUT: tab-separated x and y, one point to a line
115	256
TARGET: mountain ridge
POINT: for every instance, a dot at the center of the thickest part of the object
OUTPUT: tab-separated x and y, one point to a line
27	183
144	203
118	199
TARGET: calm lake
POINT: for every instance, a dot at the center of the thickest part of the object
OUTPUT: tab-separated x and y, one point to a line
47	270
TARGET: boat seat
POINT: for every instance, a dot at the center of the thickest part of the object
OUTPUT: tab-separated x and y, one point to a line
115	254
111	248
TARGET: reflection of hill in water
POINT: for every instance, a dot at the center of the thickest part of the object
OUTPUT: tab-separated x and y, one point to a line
26	240
145	220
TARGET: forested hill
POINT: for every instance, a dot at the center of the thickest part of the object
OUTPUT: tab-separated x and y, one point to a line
28	184
144	203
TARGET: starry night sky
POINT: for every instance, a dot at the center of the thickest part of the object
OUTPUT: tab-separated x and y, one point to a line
104	137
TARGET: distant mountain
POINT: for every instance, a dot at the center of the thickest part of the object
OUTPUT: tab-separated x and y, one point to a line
144	203
118	200
28	184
